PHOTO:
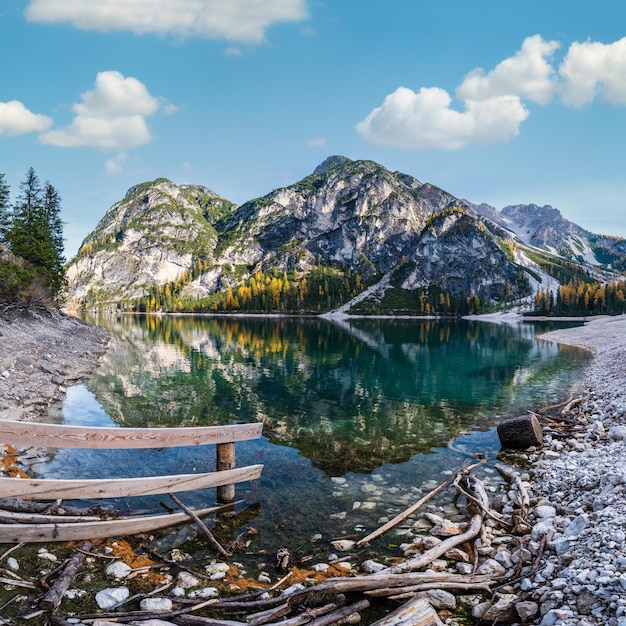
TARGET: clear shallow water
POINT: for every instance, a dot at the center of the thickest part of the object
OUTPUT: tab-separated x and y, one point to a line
360	417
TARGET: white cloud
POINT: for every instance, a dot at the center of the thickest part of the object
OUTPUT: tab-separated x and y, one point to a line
593	69
16	119
425	120
233	51
114	165
242	21
111	116
317	142
527	74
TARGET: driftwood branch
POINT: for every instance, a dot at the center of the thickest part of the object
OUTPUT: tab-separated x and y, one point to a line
434	553
414	507
514	477
53	597
417	612
570	405
203	527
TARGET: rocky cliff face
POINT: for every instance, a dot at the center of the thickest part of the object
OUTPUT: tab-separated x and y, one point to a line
149	238
353	215
359	215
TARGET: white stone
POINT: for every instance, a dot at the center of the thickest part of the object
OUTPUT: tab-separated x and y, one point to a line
46	556
213	568
218	576
156	604
13	564
545	511
291	590
205	592
178	592
320	567
108	598
371	567
186	580
119	569
491	567
343	545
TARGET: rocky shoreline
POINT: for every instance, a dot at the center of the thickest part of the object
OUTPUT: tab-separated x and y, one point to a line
577	481
579	486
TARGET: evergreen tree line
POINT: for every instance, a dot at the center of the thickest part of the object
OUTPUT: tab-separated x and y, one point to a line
583	298
31	242
322	289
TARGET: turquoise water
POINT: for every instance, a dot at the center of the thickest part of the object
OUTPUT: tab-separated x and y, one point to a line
360	417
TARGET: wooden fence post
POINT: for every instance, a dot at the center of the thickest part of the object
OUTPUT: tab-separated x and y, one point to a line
225	461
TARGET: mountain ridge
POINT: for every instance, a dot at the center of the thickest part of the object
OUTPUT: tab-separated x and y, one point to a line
355	218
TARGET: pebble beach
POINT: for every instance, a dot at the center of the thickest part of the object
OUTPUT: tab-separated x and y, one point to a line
579	486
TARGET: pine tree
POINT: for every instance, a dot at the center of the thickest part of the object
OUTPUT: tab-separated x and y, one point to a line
52	216
5	216
36	231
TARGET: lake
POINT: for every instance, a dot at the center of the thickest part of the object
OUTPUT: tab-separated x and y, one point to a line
361	416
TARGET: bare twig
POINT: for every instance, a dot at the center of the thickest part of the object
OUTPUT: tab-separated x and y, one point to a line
207	533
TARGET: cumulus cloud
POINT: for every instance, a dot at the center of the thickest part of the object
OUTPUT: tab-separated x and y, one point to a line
241	21
491	104
426	120
527	74
111	116
16	119
593	69
114	165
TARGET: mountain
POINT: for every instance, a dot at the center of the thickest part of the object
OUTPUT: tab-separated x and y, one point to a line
150	237
351	228
544	227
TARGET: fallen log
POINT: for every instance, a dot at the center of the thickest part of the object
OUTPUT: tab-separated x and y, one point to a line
13	504
13	517
519	433
53	597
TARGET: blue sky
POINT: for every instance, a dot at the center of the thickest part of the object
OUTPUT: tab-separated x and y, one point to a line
499	102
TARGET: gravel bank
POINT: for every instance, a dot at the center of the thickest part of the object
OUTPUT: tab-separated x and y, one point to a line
40	355
579	483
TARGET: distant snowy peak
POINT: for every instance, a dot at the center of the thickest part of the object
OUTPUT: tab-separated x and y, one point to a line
544	227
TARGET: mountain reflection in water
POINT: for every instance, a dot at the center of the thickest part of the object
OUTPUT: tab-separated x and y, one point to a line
369	400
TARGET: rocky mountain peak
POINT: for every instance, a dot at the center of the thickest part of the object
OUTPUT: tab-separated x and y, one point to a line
330	162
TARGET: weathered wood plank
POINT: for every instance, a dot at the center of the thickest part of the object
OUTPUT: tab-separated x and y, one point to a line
74	489
37	533
65	436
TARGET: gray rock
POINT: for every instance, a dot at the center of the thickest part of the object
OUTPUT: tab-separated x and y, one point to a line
491	567
526	610
371	567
